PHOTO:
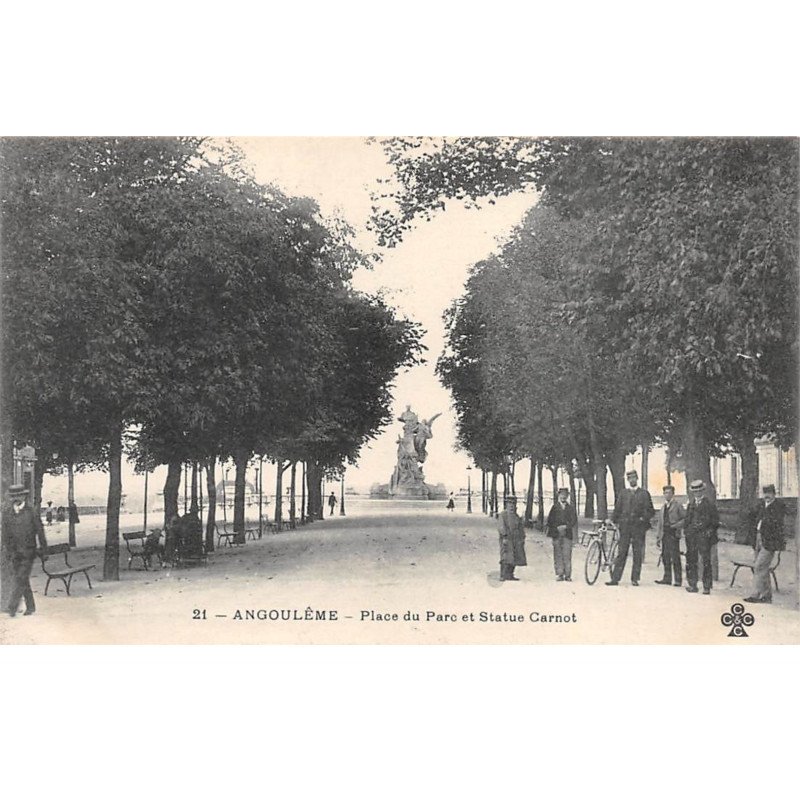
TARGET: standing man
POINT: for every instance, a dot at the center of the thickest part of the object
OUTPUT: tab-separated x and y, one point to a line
512	540
632	513
769	540
670	525
23	530
332	501
700	525
562	521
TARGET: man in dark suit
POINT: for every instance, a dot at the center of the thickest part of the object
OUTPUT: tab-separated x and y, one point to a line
769	540
670	525
562	522
632	512
23	530
700	526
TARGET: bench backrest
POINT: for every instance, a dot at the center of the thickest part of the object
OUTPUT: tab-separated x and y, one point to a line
132	537
55	549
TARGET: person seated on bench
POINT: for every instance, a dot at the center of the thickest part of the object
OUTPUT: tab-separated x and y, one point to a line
153	546
769	540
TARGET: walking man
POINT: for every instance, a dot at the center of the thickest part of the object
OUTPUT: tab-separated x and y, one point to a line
512	540
632	513
700	525
769	540
23	529
332	503
562	522
670	524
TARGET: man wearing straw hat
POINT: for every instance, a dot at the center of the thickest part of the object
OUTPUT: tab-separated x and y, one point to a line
700	528
23	530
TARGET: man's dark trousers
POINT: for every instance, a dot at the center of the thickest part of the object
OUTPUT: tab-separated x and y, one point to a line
698	543
671	556
22	585
629	535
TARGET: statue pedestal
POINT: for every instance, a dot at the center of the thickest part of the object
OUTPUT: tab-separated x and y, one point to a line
412	490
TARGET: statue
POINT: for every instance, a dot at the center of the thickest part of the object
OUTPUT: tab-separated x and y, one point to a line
422	435
407	479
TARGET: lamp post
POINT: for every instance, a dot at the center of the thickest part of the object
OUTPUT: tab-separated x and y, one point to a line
341	500
469	489
259	481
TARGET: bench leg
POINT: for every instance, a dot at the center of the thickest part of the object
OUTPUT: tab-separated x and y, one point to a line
88	579
735	572
775	578
47	586
66	583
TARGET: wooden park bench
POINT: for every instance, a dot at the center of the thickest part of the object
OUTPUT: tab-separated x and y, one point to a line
64	575
737	565
135	543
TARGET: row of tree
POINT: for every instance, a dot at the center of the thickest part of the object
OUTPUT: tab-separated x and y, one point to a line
648	297
159	303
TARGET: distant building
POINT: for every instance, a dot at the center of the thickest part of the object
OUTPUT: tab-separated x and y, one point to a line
229	489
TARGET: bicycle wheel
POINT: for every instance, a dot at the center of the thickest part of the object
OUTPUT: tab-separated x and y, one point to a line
612	555
592	565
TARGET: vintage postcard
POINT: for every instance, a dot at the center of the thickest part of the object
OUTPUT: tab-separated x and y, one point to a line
399	390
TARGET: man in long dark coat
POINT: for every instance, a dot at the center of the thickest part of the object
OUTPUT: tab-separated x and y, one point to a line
23	531
632	513
512	540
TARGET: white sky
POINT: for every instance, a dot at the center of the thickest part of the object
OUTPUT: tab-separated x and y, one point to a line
421	277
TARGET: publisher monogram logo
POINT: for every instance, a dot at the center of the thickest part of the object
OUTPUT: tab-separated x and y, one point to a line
737	619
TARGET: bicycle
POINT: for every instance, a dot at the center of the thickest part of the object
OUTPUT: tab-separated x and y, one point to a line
597	556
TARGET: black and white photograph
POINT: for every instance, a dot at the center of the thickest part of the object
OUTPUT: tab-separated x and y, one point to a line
399	390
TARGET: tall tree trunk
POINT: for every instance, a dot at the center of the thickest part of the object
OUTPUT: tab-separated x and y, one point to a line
194	507
303	494
574	498
494	494
512	470
505	485
70	503
172	486
616	463
529	497
554	476
601	487
211	488
588	503
314	486
38	482
645	466
279	494
144	507
748	488
111	554
694	450
6	480
540	498
240	458
293	486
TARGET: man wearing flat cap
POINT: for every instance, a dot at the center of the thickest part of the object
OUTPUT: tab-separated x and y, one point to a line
23	531
700	528
511	528
769	540
632	512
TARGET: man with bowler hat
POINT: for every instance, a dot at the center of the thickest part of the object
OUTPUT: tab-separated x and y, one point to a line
23	530
670	525
632	512
700	526
511	528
